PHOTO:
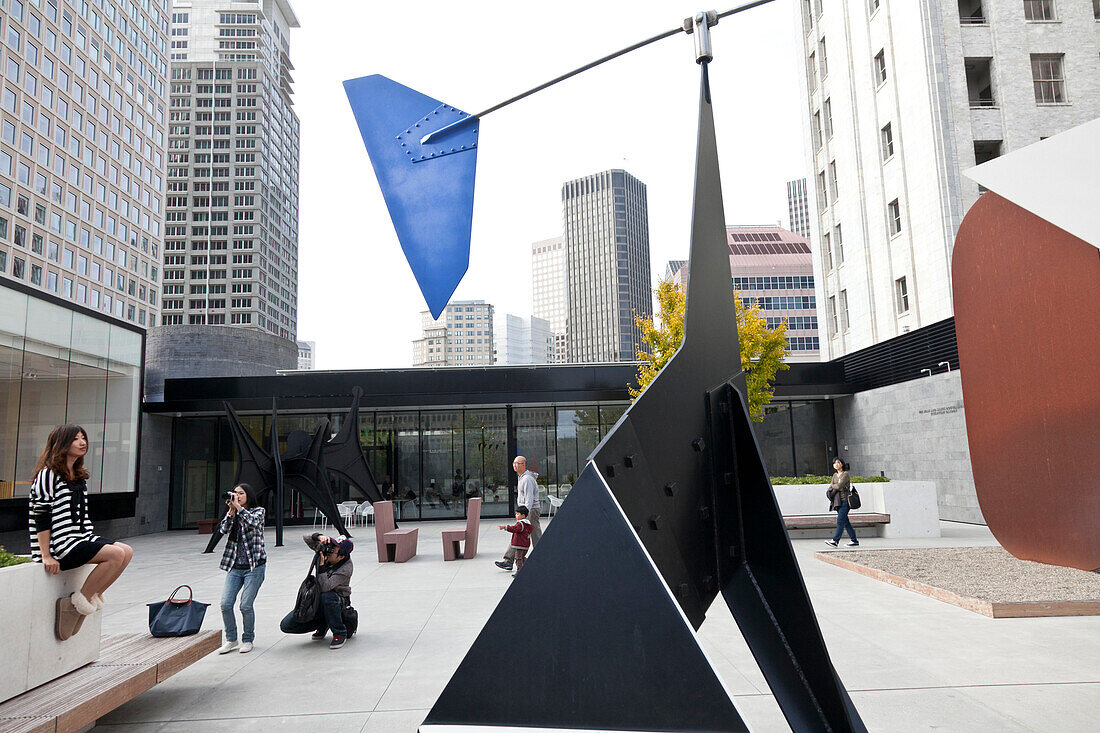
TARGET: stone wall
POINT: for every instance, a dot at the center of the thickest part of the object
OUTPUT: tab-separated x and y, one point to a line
212	351
916	431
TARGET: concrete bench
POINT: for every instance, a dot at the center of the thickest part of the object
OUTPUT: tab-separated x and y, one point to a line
910	505
828	521
453	538
128	665
394	545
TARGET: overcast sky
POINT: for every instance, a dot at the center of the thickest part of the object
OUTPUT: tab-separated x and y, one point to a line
356	295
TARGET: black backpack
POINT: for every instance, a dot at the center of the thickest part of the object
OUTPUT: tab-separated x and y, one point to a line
309	596
351	618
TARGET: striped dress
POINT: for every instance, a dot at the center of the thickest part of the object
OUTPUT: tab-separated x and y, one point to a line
61	507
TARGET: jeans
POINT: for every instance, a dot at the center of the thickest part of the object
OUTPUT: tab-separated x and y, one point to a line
843	523
330	615
250	581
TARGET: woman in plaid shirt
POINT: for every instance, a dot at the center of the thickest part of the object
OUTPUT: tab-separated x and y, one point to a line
245	561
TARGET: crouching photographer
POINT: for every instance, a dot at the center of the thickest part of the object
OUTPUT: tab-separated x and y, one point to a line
324	601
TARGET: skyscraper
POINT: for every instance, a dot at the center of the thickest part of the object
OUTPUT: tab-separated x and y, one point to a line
606	235
461	336
548	275
231	239
519	340
904	96
82	153
798	207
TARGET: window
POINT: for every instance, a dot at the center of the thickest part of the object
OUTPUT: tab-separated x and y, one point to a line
886	135
1039	9
873	7
1096	9
979	81
970	12
822	194
901	295
893	215
880	68
827	109
827	252
833	181
844	309
824	59
1047	75
815	130
811	72
838	242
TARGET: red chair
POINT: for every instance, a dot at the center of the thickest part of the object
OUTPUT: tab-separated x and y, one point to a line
394	545
452	550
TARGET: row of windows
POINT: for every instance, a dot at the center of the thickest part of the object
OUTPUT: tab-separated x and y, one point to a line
788	282
794	323
796	302
803	343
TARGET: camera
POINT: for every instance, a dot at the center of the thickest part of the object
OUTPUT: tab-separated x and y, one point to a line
328	548
229	496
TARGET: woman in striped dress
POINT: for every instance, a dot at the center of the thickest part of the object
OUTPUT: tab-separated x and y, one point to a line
61	535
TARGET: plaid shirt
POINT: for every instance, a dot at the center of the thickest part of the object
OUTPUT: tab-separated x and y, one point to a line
251	533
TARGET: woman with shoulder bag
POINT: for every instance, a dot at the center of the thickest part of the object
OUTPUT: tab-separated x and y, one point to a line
245	561
839	493
61	535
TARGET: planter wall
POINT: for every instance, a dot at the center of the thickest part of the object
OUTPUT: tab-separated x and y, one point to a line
911	505
30	654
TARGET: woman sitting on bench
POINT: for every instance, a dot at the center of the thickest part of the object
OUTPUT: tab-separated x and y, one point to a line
61	535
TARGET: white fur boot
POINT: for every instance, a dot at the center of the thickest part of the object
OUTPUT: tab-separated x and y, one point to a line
98	601
82	605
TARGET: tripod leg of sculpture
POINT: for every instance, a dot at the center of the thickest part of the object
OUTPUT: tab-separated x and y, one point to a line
278	474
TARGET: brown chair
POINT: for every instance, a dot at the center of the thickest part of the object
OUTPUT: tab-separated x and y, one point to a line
394	545
452	550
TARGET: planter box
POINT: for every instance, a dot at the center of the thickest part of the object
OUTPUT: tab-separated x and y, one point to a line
30	654
911	505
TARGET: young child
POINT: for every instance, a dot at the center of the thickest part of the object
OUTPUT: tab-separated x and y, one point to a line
521	536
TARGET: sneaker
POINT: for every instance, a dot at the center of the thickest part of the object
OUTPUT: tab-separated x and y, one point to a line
832	543
246	647
853	544
337	642
228	647
318	635
503	564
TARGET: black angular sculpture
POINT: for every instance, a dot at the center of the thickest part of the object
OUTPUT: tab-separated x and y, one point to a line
677	486
304	467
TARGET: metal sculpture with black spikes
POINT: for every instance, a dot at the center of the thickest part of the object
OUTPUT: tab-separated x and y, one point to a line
303	467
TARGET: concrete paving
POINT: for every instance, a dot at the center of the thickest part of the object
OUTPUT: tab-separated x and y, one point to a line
911	663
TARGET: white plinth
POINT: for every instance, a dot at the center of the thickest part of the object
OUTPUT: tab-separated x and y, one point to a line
911	505
30	653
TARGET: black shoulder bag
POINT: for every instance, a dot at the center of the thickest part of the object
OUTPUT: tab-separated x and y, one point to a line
853	499
309	595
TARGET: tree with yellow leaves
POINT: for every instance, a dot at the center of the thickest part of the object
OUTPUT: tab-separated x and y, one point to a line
762	349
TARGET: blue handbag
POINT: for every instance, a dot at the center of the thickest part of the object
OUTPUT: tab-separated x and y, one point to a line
176	617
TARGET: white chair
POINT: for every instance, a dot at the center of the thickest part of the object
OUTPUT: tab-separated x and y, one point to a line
365	512
347	511
555	502
319	518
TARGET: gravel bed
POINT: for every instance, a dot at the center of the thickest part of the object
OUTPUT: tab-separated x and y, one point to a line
988	573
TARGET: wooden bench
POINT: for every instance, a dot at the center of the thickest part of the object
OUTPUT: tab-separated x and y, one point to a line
453	538
394	545
128	665
828	521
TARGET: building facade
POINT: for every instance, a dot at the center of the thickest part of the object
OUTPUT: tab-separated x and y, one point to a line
606	236
773	268
522	340
549	299
798	208
231	239
307	351
904	96
82	153
461	336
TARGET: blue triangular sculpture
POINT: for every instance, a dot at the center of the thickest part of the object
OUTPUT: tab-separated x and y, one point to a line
429	190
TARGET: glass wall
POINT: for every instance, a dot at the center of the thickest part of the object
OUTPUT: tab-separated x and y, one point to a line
431	462
59	366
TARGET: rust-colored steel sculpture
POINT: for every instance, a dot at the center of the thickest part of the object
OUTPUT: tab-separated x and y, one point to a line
1026	318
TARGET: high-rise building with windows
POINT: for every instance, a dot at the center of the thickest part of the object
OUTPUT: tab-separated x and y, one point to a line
904	96
549	301
82	152
773	268
606	236
307	354
231	236
461	336
798	207
522	340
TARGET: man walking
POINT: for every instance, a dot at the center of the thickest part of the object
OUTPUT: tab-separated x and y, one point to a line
527	494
